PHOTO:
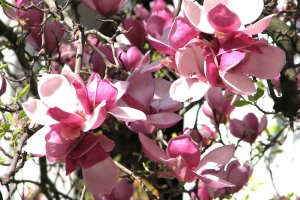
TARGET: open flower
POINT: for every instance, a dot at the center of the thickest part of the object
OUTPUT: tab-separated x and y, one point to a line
27	19
218	105
249	128
151	96
182	156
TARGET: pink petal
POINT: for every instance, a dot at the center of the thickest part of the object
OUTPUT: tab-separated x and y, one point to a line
184	146
212	71
214	181
71	76
231	59
36	144
162	45
162	100
36	110
141	126
52	88
266	65
152	150
181	169
258	27
102	177
164	120
247	10
188	89
263	124
141	87
238	83
152	67
190	60
64	117
96	119
222	19
236	128
181	33
121	87
95	155
216	158
238	177
197	16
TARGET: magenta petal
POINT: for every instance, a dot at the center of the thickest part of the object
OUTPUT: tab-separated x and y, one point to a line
162	45
238	83
92	157
141	126
181	169
65	117
56	145
238	177
184	146
197	16
266	65
106	91
141	87
231	59
222	19
236	128
96	119
212	70
188	89
82	95
152	150
152	67
164	120
181	33
102	177
86	144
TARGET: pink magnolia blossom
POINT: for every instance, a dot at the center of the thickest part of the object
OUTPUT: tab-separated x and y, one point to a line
105	8
152	98
238	175
226	15
122	191
249	128
202	135
132	58
182	156
27	19
81	109
218	105
54	33
100	174
97	63
137	34
158	19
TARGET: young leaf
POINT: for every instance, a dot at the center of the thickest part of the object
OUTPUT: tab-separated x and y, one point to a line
2	160
241	103
22	93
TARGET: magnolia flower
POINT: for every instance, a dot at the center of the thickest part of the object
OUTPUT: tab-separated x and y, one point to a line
226	15
202	135
152	98
249	128
218	105
182	156
27	19
137	34
105	8
81	109
132	58
54	33
100	174
238	175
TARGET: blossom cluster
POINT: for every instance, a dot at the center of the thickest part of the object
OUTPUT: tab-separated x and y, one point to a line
214	53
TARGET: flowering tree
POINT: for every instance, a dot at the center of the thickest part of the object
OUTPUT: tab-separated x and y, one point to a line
107	104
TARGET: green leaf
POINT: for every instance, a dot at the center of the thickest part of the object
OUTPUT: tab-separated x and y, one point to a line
4	5
228	96
23	92
22	114
117	158
9	116
260	85
259	93
276	152
17	130
241	103
2	160
3	66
